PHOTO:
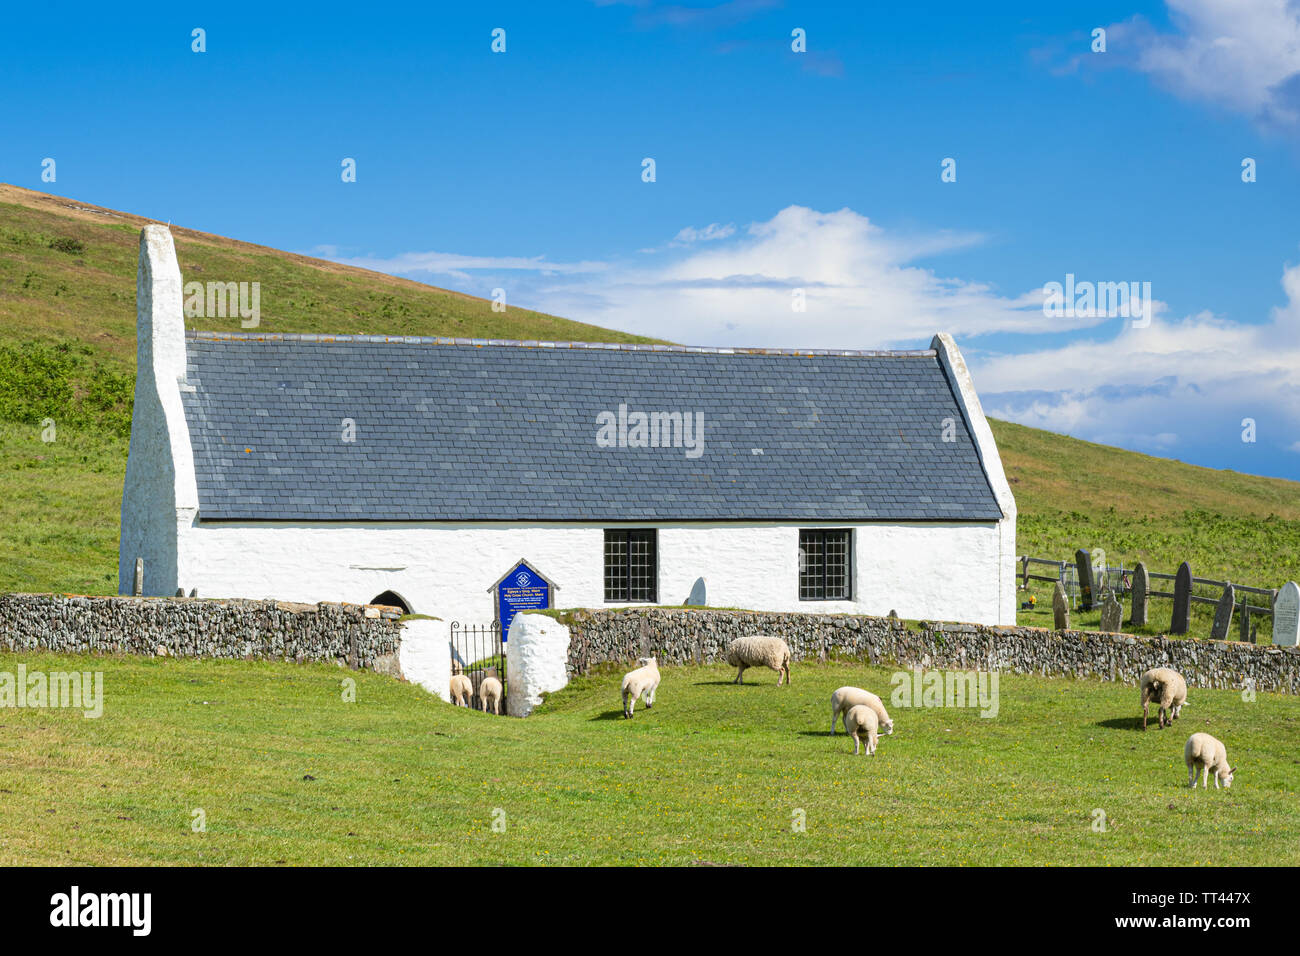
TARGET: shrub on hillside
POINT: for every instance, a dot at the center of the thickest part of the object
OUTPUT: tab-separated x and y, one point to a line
40	381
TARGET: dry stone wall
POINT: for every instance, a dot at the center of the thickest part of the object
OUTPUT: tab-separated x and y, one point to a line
197	627
699	636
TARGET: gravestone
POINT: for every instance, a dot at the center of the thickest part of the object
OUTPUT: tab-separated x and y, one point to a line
1083	562
1141	584
138	588
1060	608
1182	600
1112	615
1286	615
1223	614
697	596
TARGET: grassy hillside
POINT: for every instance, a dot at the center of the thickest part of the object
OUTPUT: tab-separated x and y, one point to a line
67	352
285	772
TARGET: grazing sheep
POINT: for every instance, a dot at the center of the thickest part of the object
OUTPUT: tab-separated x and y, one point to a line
847	697
642	682
861	721
1206	753
461	690
1167	688
759	651
489	692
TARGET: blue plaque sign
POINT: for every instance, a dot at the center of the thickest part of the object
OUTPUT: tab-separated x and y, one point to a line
522	589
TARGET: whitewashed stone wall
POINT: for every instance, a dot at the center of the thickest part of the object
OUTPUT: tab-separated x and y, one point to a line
160	497
426	656
921	570
537	655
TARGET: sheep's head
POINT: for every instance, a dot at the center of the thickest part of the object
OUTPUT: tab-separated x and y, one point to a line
645	661
1227	778
887	727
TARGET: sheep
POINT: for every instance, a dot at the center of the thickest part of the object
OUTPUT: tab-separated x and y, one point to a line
1206	753
642	682
461	690
847	697
759	651
1167	688
861	721
489	692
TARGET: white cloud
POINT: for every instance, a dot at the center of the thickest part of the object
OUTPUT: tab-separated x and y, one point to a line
718	285
1243	55
861	288
1158	387
709	233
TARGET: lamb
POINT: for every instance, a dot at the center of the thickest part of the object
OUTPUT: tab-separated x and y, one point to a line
847	697
461	690
1166	687
860	722
759	651
642	682
489	692
1206	753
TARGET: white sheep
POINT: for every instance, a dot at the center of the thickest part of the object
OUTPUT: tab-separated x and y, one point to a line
847	697
642	682
861	721
1167	688
1206	753
461	690
759	651
489	692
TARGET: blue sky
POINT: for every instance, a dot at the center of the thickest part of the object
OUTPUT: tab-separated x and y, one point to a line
775	170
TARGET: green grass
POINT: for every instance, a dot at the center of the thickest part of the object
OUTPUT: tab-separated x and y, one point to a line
715	772
60	505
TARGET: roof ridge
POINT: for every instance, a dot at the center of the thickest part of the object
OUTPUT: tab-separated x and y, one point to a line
545	344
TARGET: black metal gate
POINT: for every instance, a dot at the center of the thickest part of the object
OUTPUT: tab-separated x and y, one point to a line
478	652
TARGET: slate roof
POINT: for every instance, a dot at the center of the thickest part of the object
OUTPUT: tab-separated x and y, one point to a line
473	430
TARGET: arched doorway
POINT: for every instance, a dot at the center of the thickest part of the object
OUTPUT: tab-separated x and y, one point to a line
392	599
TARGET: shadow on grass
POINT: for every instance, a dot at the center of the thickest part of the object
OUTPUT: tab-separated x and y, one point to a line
728	683
1123	723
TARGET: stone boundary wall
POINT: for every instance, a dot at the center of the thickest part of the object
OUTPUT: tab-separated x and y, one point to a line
359	636
685	637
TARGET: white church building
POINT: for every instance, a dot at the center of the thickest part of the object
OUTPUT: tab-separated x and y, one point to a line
421	471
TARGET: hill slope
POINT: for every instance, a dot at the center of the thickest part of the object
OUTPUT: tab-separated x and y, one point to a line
67	352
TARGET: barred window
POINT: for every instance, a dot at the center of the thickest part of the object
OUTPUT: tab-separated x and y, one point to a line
631	566
825	565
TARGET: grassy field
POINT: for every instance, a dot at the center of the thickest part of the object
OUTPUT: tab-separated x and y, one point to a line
714	773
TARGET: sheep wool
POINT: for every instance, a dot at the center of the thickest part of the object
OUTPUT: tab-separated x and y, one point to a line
461	690
759	651
642	682
1206	753
489	694
847	697
861	724
1168	690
